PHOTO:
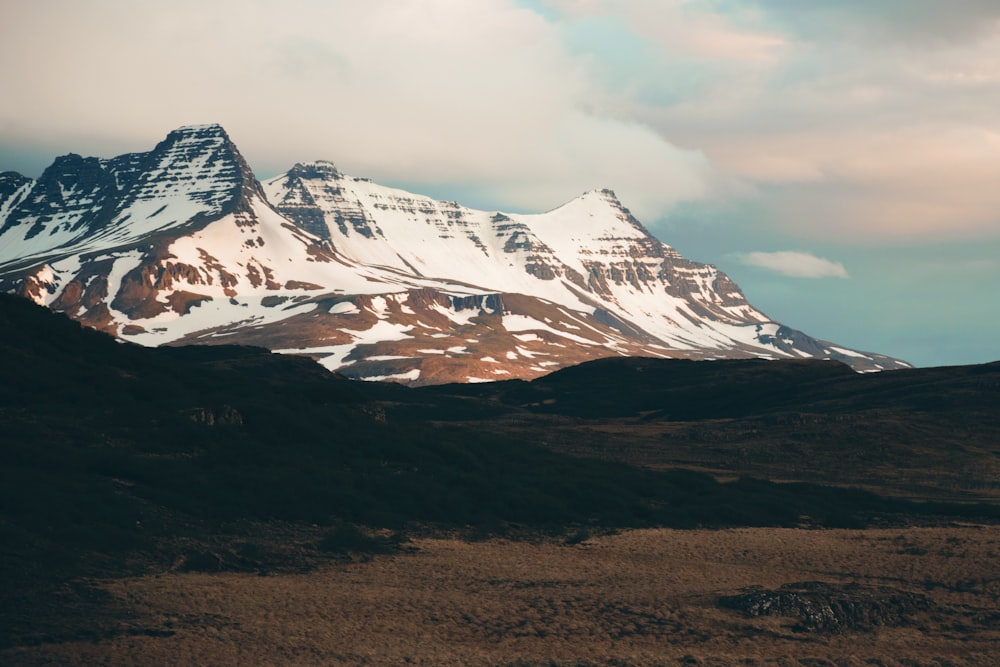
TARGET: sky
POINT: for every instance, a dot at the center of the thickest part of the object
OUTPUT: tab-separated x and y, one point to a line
839	159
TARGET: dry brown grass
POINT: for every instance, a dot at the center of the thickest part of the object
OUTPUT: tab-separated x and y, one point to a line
637	598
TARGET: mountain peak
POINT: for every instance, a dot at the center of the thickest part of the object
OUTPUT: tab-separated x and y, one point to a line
321	169
183	244
204	129
80	204
198	138
603	193
11	181
210	166
596	196
594	202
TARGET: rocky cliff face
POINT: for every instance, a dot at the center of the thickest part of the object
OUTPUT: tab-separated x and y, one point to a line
182	244
82	205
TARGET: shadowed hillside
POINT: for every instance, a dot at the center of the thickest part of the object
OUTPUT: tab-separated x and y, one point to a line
121	459
929	433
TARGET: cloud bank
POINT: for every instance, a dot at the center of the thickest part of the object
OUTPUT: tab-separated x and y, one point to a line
795	264
484	96
838	121
834	121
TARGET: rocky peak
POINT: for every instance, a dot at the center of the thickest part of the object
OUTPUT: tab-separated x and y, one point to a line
182	243
11	184
12	177
202	163
606	194
606	198
600	197
74	195
318	197
320	169
82	204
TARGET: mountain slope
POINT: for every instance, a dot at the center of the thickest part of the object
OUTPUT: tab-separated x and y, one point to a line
183	244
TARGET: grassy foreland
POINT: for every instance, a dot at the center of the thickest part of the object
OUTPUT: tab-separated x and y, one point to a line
140	485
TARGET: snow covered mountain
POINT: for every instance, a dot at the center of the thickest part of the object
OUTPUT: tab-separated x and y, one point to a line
183	245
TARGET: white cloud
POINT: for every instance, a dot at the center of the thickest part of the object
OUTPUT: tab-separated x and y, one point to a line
480	95
795	264
681	28
828	138
919	23
857	141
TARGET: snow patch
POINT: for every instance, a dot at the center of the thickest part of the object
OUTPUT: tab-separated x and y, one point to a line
409	376
344	308
849	353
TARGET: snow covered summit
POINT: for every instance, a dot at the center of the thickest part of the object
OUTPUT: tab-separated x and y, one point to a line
183	245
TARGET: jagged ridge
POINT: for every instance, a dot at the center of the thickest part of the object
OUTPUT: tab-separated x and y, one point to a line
183	244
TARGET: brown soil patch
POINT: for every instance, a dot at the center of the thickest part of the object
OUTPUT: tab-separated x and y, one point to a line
648	597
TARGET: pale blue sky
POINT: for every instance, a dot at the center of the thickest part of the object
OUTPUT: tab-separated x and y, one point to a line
854	142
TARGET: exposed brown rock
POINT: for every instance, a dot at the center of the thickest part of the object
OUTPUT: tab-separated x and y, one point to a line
99	317
182	302
95	292
301	285
68	300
